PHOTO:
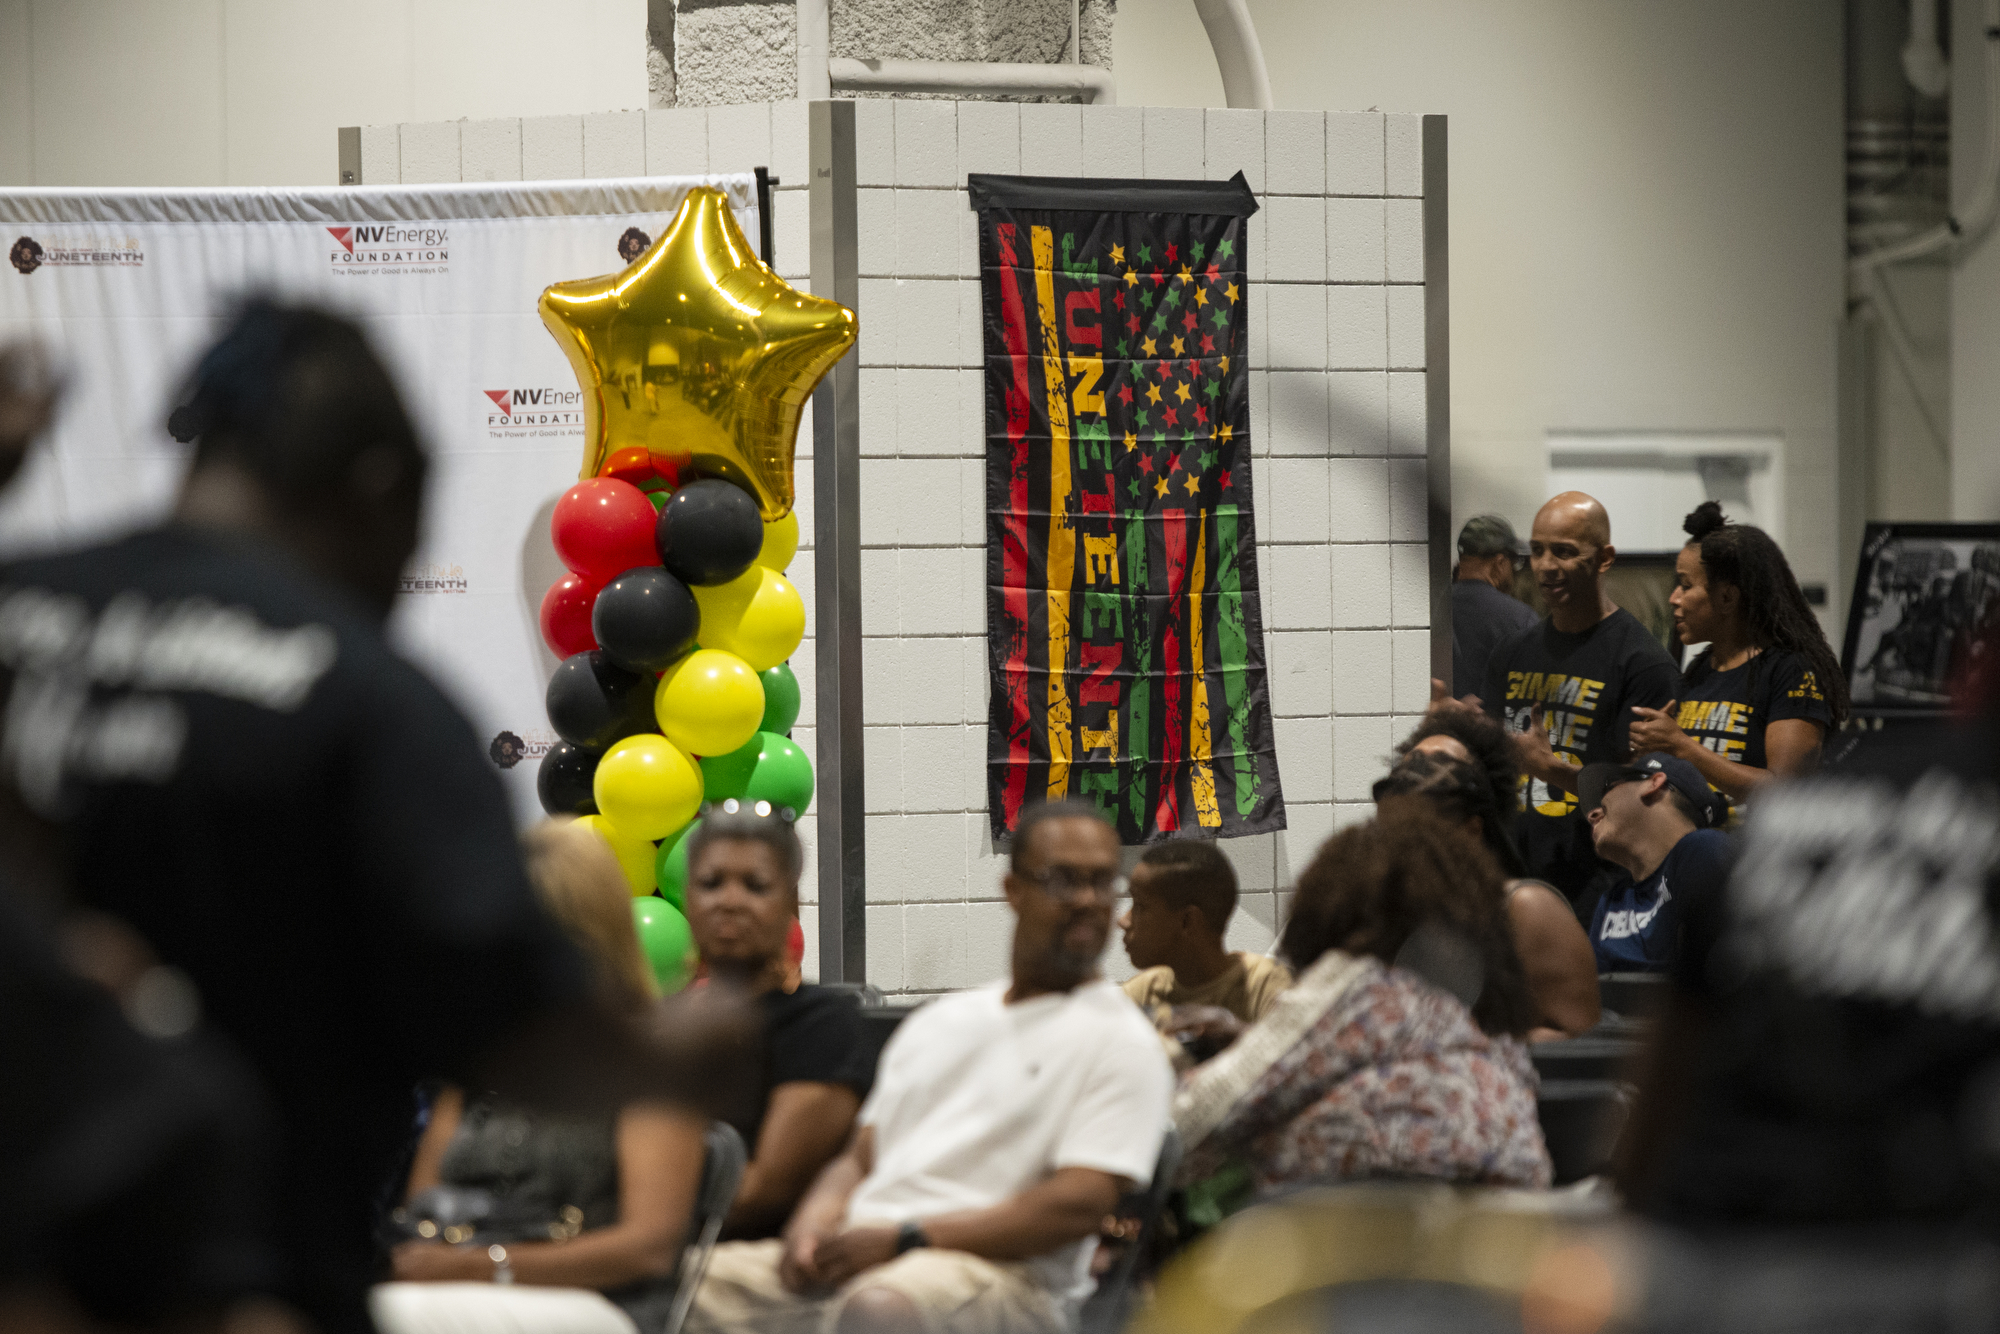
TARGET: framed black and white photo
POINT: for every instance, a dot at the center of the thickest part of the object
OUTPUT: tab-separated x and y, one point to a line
1923	593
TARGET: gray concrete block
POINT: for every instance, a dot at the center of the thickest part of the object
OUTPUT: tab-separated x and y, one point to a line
614	144
430	152
677	142
381	155
490	150
551	148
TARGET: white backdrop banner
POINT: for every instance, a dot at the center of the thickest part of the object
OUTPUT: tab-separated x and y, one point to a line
127	287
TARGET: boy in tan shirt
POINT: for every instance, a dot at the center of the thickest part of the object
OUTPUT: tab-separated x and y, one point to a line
1182	897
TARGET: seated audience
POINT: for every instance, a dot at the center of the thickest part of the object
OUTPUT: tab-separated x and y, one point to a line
1758	702
1658	819
1462	764
742	898
578	1222
1003	1126
1364	1068
1183	895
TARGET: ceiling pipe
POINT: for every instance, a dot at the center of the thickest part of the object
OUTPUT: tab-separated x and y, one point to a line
1231	35
1238	54
1090	82
1959	231
1924	64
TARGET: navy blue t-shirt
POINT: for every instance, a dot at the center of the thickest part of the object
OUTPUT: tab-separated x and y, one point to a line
1636	928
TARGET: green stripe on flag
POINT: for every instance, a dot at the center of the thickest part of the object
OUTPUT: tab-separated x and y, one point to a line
1234	644
1139	699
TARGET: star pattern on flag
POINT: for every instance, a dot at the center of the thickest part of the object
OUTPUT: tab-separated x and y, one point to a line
1168	383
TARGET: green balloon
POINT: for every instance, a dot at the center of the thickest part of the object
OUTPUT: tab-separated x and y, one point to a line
726	776
783	776
666	941
781	699
670	867
770	767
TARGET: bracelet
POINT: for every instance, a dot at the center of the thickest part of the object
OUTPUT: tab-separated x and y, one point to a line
503	1272
910	1236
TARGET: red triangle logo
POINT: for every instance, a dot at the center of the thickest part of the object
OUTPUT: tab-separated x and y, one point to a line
344	235
500	399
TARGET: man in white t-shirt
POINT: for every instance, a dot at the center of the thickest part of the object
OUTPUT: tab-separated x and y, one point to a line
1003	1126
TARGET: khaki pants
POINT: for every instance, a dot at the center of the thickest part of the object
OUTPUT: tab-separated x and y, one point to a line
956	1293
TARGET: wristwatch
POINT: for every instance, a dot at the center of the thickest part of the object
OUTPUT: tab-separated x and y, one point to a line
910	1236
503	1272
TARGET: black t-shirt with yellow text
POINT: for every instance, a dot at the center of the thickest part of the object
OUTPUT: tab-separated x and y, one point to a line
1587	684
1728	712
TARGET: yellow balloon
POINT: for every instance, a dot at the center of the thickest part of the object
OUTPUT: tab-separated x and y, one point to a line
647	786
781	543
700	353
710	702
636	856
759	616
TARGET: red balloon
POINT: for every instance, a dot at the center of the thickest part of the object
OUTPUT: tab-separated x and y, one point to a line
795	942
566	616
632	464
603	527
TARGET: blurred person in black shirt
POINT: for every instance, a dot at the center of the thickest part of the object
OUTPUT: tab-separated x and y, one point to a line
1483	610
1821	1097
742	898
215	747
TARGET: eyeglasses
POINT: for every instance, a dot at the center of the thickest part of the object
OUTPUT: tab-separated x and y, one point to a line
1067	886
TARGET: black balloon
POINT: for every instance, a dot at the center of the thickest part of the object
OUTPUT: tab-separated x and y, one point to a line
593	701
709	532
564	780
645	619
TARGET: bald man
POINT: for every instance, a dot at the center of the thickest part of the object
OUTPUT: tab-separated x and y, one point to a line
1567	685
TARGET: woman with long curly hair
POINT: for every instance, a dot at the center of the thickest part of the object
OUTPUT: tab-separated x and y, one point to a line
1759	701
1398	1051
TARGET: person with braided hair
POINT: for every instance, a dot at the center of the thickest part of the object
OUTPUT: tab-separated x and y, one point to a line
1759	701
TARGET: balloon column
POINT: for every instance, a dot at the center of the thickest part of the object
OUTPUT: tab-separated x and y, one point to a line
675	619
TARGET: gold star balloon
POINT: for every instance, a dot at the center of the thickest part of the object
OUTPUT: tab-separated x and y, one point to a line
699	353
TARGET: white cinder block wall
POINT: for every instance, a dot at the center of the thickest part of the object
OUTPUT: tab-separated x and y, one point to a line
1337	424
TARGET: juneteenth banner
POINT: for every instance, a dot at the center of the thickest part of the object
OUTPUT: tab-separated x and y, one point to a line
1125	638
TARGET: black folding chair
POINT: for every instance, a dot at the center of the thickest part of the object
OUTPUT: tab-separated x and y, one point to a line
1581	1121
721	1173
1110	1305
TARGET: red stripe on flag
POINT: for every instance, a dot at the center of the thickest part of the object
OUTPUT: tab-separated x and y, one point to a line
1014	535
1173	529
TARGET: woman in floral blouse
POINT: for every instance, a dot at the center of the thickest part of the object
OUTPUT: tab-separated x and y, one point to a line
1365	1068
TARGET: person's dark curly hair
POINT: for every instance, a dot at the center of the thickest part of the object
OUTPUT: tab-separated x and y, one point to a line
1775	611
1484	739
1372	886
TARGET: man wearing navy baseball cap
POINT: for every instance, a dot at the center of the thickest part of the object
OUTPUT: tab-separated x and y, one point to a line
1659	819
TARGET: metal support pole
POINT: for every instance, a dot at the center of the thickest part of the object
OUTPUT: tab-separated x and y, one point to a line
1437	392
843	922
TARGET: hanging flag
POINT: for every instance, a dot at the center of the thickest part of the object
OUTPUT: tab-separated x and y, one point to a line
1124	634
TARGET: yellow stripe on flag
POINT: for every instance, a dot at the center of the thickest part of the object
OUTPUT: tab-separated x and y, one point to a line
1206	812
1062	538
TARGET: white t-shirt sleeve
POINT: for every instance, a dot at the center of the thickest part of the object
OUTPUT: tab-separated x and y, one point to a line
1121	1114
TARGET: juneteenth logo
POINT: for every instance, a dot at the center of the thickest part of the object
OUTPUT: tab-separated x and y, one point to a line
386	247
508	749
27	254
434	578
515	410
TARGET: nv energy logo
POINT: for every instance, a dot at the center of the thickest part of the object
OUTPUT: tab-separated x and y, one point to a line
389	247
545	411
